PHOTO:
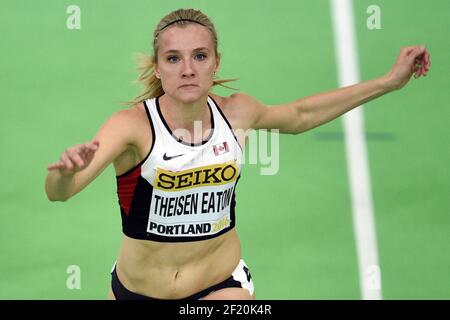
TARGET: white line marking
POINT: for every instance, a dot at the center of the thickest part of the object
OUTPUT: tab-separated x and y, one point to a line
356	151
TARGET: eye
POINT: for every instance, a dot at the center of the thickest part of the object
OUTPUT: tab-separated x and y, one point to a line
200	56
172	59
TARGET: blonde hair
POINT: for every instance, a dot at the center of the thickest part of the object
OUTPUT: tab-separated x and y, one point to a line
152	85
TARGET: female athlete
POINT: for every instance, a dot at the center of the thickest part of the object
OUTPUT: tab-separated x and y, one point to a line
177	155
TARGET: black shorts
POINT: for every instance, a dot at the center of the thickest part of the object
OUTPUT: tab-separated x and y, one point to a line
240	278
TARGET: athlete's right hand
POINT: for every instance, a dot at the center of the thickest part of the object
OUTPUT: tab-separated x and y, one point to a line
75	158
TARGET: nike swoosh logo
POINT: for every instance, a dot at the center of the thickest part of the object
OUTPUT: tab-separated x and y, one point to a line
247	273
166	157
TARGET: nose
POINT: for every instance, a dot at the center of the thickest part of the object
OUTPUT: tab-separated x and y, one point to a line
188	70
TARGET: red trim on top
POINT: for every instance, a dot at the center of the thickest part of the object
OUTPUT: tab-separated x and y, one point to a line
125	188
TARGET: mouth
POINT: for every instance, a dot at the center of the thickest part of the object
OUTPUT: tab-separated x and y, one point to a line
188	86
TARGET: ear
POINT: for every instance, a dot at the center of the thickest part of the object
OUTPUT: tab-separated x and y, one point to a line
156	71
217	63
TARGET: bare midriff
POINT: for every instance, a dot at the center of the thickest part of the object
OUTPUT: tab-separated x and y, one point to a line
175	270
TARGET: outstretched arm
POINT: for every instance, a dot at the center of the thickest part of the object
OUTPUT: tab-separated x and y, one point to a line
310	112
80	165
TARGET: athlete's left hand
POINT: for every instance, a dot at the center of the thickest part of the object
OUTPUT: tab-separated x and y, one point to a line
411	60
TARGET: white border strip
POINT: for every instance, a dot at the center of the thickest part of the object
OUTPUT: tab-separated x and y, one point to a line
356	152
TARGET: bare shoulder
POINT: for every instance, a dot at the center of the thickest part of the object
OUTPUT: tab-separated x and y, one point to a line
240	108
237	102
125	130
128	122
129	116
132	127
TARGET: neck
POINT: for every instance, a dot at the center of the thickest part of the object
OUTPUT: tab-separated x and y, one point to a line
184	115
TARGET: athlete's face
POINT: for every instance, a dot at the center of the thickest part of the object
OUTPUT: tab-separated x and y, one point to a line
186	56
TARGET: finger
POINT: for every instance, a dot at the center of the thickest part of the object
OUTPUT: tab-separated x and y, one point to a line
84	153
56	165
67	163
90	146
426	57
421	50
425	70
423	55
88	152
81	147
419	71
94	145
419	62
422	71
407	50
416	71
416	52
425	60
75	157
